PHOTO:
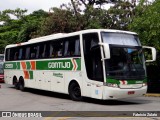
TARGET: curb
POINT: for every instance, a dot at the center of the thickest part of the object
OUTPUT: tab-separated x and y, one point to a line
152	95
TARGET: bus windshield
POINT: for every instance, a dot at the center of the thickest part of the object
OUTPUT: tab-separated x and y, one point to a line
127	61
120	39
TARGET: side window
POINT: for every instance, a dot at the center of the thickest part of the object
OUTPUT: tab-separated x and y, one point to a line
19	53
7	55
23	53
33	52
51	50
12	54
66	44
77	48
16	54
27	53
42	48
92	56
56	49
72	46
59	49
38	51
47	50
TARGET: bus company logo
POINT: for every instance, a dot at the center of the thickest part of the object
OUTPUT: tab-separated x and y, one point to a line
59	65
123	82
8	65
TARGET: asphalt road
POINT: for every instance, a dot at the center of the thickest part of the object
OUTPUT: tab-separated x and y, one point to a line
38	100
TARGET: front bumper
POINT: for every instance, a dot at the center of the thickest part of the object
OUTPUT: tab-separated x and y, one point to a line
118	93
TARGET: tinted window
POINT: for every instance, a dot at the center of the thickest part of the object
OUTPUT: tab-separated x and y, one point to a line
72	46
66	47
92	56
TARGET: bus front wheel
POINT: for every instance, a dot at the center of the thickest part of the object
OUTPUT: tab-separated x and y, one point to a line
75	91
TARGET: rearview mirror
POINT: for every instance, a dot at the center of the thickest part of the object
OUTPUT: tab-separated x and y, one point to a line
153	52
106	50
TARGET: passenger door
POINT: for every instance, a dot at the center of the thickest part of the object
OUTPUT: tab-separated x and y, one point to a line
93	65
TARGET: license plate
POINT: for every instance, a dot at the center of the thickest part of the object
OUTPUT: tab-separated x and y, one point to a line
131	92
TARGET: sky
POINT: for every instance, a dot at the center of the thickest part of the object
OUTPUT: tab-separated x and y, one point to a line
31	5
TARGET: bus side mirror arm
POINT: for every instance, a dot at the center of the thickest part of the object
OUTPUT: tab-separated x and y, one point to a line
106	51
153	50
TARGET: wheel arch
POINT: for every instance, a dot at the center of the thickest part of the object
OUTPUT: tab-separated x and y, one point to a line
75	90
74	81
21	79
14	80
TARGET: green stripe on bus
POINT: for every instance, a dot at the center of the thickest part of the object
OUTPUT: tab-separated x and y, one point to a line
54	65
79	64
31	74
114	81
67	64
58	65
28	65
12	65
18	65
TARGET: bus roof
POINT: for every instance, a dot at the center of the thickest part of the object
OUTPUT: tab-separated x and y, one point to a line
63	35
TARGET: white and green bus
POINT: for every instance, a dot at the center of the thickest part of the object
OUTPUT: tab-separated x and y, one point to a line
97	63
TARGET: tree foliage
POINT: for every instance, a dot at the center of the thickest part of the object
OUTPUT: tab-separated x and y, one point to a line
77	15
10	28
32	24
60	20
18	27
147	24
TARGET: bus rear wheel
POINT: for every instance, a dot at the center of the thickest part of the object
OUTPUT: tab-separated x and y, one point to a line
75	91
21	84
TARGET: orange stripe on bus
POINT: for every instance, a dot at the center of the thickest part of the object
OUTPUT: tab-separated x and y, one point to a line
23	65
33	65
26	74
74	64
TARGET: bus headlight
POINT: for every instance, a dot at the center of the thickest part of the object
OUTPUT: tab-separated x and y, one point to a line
144	84
112	85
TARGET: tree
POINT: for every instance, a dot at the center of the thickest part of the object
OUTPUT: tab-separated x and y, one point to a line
31	25
147	24
20	29
6	14
60	20
10	28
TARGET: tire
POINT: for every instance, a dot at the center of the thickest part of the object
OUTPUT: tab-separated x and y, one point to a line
75	92
21	84
16	84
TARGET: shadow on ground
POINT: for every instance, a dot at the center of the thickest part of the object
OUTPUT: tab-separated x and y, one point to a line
128	101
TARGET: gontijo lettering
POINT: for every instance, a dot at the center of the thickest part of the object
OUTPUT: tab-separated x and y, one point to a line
8	65
59	65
